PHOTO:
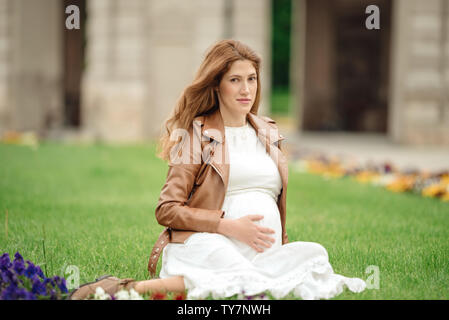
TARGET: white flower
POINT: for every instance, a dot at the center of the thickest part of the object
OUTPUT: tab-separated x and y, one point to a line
133	295
101	295
122	295
383	180
128	295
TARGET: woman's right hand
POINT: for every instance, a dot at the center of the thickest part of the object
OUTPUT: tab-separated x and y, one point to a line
246	231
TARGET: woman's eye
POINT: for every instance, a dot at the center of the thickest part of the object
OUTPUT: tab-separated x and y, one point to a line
251	78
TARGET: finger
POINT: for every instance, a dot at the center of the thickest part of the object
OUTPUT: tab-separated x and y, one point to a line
255	247
266	230
256	217
267	238
263	243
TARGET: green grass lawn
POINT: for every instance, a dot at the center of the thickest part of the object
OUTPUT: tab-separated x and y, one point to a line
96	205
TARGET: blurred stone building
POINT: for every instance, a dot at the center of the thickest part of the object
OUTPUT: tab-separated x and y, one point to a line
394	80
118	77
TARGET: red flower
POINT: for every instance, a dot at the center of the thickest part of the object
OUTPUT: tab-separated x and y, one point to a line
180	296
158	296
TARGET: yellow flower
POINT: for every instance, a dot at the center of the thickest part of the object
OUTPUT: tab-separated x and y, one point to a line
445	197
401	184
445	180
434	190
366	176
27	138
334	170
316	167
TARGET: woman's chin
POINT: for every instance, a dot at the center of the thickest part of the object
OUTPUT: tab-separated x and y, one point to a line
244	109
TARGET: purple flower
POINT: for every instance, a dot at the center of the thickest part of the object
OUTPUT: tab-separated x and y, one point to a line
39	272
38	287
5	262
62	286
19	267
4	257
49	281
30	271
16	279
9	277
9	292
12	292
4	277
30	296
18	257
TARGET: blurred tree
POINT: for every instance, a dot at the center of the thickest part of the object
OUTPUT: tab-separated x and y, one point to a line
280	42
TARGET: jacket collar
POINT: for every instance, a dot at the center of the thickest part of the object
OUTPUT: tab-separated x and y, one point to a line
213	128
213	124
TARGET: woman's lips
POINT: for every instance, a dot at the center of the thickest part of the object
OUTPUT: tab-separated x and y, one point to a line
244	101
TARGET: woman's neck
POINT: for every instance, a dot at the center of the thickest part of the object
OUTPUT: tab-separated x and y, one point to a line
230	120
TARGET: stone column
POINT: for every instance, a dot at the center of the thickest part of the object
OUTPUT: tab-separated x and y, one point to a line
5	30
252	25
180	32
30	65
419	80
114	84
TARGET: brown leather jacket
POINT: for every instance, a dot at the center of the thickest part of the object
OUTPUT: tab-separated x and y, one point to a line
194	191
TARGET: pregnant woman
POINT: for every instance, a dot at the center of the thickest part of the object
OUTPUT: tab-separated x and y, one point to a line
224	200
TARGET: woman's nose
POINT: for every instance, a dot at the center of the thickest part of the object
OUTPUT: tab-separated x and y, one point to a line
245	87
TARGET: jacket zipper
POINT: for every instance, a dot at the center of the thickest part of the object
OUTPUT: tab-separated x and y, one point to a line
218	171
212	165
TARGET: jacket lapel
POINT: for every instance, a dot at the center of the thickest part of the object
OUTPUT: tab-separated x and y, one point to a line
216	152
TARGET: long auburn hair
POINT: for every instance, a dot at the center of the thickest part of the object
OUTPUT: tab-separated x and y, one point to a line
200	97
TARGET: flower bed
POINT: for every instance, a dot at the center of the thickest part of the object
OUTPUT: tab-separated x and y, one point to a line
434	185
22	280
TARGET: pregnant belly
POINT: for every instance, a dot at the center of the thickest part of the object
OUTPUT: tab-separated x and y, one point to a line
239	204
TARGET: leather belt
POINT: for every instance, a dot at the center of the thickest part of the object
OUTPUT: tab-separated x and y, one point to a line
162	241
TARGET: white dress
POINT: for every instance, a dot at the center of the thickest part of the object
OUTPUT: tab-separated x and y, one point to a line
213	264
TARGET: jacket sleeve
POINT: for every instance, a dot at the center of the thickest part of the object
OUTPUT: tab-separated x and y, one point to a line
172	209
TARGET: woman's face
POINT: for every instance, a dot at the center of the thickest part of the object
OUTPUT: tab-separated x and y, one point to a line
238	88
